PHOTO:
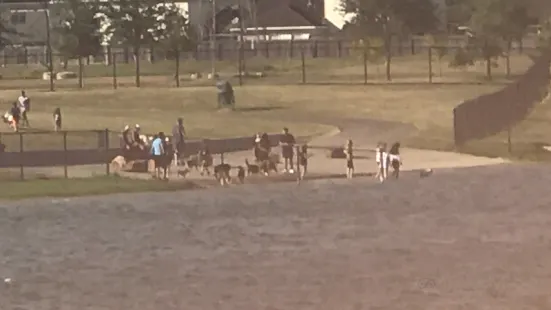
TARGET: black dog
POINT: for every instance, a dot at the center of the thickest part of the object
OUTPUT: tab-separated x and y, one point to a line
241	174
251	169
222	173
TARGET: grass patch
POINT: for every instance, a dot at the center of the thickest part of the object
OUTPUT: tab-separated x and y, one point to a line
12	190
280	70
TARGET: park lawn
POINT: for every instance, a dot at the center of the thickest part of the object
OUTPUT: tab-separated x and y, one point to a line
14	190
306	109
279	70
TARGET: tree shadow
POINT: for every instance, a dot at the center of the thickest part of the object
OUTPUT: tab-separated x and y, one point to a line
259	109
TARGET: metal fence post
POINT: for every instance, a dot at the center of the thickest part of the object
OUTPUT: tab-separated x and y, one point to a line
303	66
114	61
21	165
430	64
65	155
299	175
107	166
365	67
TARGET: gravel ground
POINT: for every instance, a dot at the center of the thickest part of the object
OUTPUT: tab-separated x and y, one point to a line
471	238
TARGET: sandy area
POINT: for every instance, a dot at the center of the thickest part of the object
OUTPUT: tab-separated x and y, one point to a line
471	238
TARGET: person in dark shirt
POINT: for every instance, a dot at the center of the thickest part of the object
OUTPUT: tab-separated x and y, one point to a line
138	143
57	119
126	142
16	115
226	97
264	148
178	140
287	142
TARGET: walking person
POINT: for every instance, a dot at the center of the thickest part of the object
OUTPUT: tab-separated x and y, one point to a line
287	142
349	152
24	104
57	119
178	140
382	162
157	154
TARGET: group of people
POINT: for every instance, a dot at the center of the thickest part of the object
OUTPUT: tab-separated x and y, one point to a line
383	158
287	142
17	115
159	147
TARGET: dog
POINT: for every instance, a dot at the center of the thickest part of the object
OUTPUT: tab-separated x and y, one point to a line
251	169
222	173
118	163
184	172
268	166
192	162
241	174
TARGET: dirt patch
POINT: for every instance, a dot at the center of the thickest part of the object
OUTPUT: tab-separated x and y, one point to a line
466	238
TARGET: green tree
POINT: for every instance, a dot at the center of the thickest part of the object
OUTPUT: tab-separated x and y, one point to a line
495	24
76	33
388	18
175	34
133	23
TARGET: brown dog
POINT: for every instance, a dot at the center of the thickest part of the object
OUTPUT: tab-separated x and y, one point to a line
222	173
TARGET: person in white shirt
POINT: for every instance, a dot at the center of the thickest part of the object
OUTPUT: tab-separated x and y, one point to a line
24	104
381	157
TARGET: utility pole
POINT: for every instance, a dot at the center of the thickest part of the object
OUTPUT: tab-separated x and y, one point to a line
213	40
49	44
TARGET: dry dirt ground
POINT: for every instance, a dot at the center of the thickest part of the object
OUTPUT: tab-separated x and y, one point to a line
471	238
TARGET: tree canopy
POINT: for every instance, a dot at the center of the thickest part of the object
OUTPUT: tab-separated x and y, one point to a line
383	17
77	32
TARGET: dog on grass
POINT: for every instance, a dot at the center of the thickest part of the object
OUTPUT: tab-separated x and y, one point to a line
222	173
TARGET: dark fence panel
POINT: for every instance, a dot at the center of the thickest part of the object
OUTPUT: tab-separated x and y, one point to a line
490	114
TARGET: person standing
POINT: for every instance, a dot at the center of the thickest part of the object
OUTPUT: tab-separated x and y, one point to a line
157	154
24	104
16	116
139	143
349	152
178	140
287	142
57	119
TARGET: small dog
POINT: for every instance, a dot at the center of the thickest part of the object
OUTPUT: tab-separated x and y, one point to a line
193	162
222	173
251	169
184	172
241	174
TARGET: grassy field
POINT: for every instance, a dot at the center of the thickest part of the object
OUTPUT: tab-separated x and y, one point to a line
11	190
345	70
307	110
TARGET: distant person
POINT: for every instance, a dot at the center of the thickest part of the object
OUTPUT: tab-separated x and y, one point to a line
24	104
349	152
205	158
226	96
138	142
126	142
303	160
394	159
16	116
264	148
157	154
287	142
178	140
57	119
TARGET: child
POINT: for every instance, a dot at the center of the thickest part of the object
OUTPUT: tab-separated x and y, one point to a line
57	119
15	117
349	160
303	160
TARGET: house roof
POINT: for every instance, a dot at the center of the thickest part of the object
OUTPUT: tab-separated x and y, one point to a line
284	13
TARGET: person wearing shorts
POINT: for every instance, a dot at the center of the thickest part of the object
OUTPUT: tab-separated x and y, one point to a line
157	154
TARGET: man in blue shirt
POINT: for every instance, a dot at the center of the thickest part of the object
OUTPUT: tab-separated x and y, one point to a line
158	154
